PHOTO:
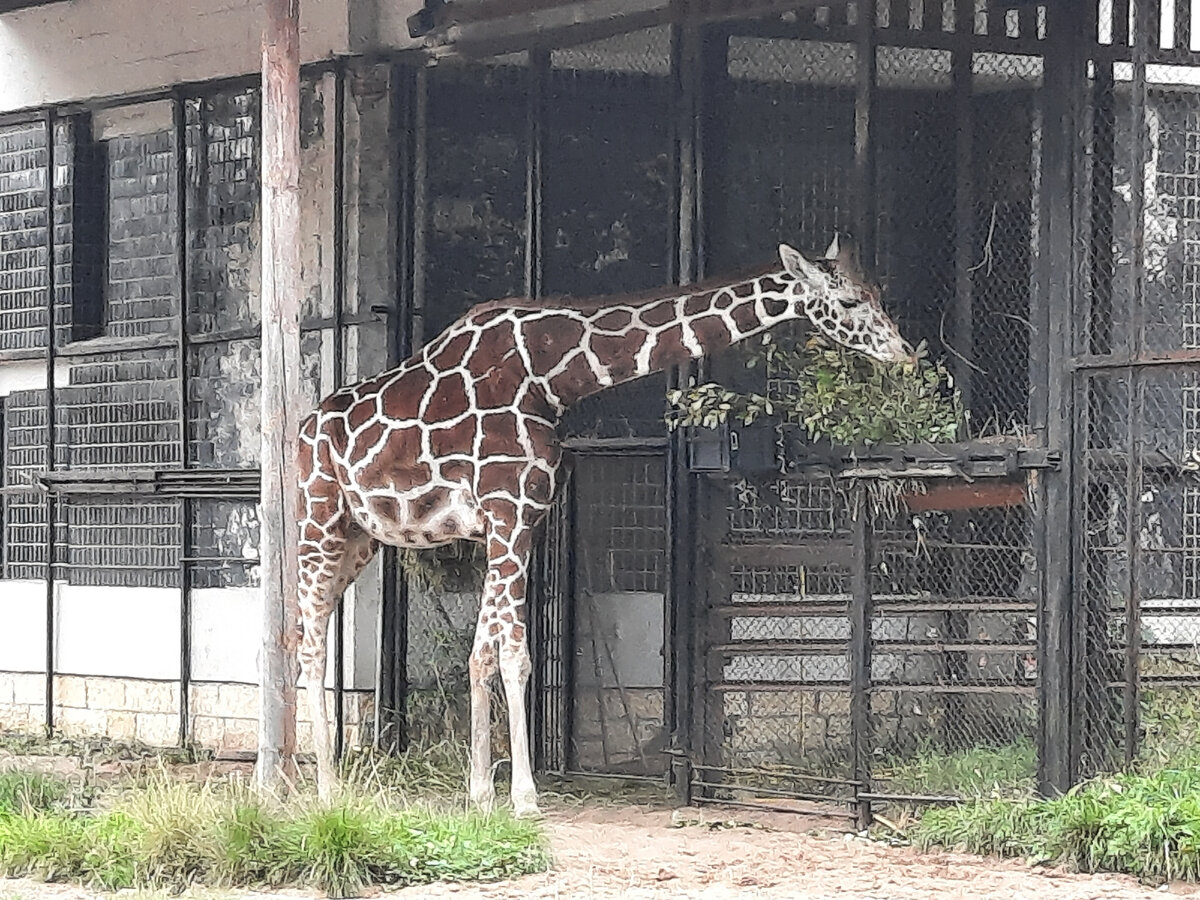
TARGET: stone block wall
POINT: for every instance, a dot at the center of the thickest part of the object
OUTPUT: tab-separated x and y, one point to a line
224	716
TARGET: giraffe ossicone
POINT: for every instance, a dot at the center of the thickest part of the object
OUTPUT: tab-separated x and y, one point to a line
460	442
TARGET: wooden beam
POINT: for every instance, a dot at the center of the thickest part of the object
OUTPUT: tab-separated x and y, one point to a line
281	397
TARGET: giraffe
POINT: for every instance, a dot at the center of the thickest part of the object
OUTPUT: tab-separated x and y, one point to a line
460	443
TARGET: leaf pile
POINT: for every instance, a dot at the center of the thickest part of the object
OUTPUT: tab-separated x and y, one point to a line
838	395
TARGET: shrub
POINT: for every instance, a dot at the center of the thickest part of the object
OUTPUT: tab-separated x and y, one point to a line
173	835
1145	825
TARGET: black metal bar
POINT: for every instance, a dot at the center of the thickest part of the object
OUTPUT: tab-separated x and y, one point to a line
870	797
860	648
570	591
769	807
1099	319
179	117
778	772
1120	20
767	791
1145	37
686	229
535	111
419	124
865	78
51	503
339	374
535	146
1110	363
1183	25
964	213
409	127
784	687
1050	404
1149	14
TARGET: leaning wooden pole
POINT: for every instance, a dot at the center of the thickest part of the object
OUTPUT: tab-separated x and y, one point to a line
281	404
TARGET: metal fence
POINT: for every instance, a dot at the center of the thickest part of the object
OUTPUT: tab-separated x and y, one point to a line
775	633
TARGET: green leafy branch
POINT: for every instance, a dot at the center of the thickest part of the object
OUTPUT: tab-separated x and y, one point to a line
836	394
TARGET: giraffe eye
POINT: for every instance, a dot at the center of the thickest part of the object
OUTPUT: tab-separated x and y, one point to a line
848	302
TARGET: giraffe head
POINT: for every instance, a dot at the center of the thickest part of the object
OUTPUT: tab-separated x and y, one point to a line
841	304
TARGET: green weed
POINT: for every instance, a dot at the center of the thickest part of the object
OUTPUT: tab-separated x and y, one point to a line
975	772
1141	824
30	790
171	835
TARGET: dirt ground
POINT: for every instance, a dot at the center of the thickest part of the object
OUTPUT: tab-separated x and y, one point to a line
620	846
636	852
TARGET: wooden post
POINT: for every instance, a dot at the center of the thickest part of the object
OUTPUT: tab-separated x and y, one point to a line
281	404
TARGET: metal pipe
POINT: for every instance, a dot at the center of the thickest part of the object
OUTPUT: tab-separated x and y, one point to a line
860	648
865	211
1144	33
769	807
767	791
535	109
51	501
179	116
339	375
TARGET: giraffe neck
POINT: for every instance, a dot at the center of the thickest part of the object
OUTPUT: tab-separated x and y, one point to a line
624	342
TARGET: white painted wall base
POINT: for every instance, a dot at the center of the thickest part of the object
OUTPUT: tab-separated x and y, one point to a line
123	632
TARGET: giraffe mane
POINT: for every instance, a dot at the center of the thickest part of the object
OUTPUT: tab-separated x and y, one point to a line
632	298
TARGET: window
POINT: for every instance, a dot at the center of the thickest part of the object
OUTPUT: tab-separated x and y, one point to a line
124	275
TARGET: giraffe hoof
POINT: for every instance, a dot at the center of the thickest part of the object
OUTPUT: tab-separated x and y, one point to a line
484	800
526	807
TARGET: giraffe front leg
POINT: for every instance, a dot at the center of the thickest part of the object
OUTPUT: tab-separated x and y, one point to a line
514	670
482	668
324	576
312	664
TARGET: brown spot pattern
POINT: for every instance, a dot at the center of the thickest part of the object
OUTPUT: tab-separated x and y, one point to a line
549	340
499	435
449	400
402	399
659	314
615	320
452	354
459	438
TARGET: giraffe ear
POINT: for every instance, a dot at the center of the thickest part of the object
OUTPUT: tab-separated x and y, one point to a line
796	265
832	252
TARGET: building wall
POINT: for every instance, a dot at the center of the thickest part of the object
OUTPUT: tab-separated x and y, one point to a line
118	585
89	48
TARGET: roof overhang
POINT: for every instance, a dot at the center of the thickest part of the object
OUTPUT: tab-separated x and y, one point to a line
14	5
478	28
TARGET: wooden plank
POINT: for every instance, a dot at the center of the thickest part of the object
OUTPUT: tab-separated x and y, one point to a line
980	495
281	402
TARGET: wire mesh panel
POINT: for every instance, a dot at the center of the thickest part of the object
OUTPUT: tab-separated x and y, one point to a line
617	638
140	234
781	149
608	113
120	542
475	173
223	174
776	715
24	503
954	653
23	220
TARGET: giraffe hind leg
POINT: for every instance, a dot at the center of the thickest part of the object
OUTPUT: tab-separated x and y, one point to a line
324	577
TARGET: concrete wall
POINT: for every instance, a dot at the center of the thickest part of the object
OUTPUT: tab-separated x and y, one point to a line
89	48
96	48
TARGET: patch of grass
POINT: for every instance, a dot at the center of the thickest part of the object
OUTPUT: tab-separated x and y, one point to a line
172	835
1009	771
1141	824
97	748
21	791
